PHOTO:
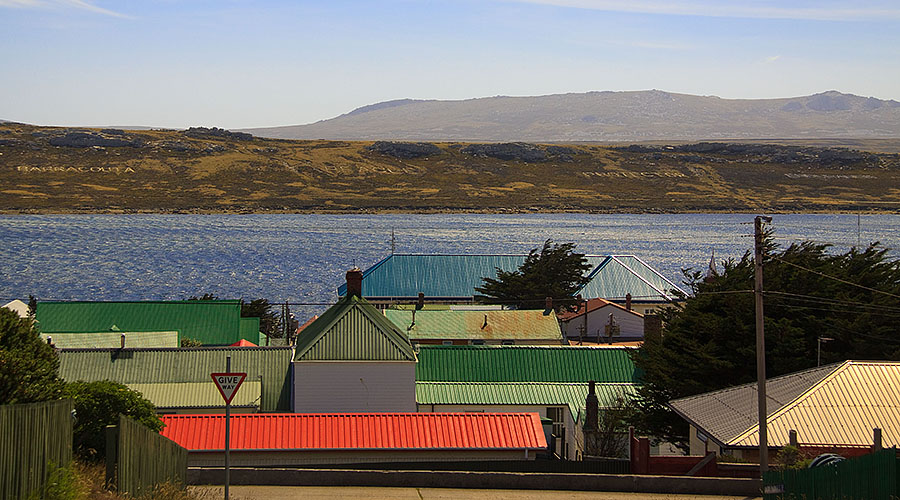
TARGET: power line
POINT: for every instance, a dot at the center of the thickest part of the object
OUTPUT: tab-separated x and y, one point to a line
813	298
798	266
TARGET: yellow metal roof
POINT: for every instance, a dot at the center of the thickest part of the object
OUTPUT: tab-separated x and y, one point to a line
197	394
841	409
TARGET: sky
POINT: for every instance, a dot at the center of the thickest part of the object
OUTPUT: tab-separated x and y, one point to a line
256	63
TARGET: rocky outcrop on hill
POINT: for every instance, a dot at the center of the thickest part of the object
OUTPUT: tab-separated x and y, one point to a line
91	139
207	133
405	150
510	151
764	153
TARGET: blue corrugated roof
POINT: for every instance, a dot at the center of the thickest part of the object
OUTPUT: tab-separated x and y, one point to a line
456	276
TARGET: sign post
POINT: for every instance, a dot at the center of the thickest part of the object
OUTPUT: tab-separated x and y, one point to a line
228	384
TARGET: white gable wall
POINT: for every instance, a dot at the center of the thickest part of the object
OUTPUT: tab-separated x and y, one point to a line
631	326
354	386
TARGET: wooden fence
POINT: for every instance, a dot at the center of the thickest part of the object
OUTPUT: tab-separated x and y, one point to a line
33	438
138	459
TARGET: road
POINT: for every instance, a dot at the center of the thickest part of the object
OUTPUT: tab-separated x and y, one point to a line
349	492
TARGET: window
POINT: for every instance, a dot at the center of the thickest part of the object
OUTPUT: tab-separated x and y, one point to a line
447	342
508	342
478	342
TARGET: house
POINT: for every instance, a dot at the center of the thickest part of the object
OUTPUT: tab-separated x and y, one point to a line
477	327
451	279
101	340
177	380
561	402
18	307
353	359
210	322
592	319
552	381
833	407
286	440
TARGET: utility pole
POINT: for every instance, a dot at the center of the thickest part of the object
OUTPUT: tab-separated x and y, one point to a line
760	342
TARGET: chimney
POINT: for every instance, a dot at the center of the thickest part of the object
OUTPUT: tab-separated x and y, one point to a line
628	301
592	411
49	340
548	303
652	328
354	282
122	340
420	302
485	322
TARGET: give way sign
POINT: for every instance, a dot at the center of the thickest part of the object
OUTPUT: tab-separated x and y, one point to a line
228	384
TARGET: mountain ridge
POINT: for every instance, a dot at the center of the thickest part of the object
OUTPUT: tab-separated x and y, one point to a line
606	116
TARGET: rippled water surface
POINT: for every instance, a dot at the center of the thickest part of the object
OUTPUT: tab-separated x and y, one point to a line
302	258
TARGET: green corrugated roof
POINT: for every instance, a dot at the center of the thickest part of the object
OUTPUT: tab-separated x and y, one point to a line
519	393
250	329
404	276
525	364
130	366
101	340
521	325
212	322
353	329
197	394
618	275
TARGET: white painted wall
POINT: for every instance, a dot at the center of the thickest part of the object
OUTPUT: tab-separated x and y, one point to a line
631	326
354	386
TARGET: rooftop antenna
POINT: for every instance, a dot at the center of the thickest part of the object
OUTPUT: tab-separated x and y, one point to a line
857	230
393	242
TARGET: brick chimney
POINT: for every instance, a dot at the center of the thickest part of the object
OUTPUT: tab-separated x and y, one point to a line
420	302
354	282
591	427
548	303
628	301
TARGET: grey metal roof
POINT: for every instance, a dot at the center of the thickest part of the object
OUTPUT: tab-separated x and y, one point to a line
727	413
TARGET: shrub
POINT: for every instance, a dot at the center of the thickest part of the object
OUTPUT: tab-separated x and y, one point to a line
98	404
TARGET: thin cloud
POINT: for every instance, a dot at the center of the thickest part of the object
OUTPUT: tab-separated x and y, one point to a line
772	59
821	12
61	4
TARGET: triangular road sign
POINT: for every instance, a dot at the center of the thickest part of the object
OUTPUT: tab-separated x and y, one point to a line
228	384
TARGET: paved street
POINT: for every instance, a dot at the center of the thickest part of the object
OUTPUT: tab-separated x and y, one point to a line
349	492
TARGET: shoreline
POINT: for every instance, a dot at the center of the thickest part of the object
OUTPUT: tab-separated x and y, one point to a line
435	211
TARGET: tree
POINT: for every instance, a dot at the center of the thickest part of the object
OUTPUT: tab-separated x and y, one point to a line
709	341
98	404
262	309
555	271
28	366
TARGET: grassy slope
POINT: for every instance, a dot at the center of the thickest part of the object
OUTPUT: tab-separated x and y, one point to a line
223	174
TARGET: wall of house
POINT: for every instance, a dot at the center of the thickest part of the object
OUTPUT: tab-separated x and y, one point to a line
698	446
574	448
315	457
354	386
631	326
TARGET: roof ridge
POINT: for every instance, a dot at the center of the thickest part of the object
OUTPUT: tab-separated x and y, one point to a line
841	367
748	384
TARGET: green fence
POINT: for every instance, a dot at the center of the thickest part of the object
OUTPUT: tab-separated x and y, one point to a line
32	437
138	459
870	477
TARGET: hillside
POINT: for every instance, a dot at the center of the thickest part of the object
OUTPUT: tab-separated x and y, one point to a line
111	170
608	116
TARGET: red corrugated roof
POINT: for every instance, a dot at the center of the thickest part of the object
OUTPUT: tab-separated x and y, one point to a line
244	343
332	431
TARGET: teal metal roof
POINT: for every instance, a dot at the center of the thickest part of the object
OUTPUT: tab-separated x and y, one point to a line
353	329
618	275
212	322
525	364
271	365
520	393
456	276
101	340
521	325
197	394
